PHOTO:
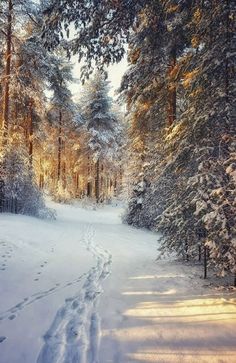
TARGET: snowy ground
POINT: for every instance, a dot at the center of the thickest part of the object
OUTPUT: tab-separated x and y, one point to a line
87	289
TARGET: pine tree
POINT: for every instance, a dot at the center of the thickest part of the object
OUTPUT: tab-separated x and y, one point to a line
24	75
62	113
101	126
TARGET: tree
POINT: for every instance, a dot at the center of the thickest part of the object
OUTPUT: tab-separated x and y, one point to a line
101	126
24	75
62	113
201	209
101	29
8	56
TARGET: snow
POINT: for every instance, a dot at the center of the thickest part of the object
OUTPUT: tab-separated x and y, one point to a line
85	288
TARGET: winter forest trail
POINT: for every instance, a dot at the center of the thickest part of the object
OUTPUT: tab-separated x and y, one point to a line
87	289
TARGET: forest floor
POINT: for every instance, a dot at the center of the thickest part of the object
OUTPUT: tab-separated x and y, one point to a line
87	289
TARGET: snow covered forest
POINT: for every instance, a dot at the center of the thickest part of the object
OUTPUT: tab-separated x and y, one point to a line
178	140
164	145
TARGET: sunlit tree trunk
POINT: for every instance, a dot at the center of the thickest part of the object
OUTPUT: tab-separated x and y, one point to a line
5	99
64	174
59	151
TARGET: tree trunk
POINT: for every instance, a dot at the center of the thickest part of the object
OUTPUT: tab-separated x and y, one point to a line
205	262
115	186
227	25
5	119
97	191
64	175
30	133
171	111
41	181
199	253
5	98
59	149
89	189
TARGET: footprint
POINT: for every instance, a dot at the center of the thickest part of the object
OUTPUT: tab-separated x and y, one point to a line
2	339
18	305
36	279
12	317
39	297
38	273
69	299
75	304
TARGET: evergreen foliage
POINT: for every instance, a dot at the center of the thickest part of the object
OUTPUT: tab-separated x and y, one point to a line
180	92
101	131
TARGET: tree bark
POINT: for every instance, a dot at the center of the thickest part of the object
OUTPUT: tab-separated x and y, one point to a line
5	119
5	99
59	149
205	262
30	133
227	78
97	177
64	175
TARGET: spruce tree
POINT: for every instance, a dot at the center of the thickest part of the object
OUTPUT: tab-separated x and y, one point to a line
101	126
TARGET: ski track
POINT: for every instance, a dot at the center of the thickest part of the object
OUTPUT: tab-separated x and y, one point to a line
74	335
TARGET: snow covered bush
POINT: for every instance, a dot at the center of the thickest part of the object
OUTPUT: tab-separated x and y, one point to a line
20	191
61	194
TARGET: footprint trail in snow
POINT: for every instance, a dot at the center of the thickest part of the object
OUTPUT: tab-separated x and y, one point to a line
37	296
75	332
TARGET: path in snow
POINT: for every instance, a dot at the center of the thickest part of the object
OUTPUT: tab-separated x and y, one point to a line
75	332
87	289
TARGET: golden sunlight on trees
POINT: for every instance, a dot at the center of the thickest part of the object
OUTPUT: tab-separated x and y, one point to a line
40	121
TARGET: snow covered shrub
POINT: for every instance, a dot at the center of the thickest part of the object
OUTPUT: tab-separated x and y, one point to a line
61	194
21	193
136	203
